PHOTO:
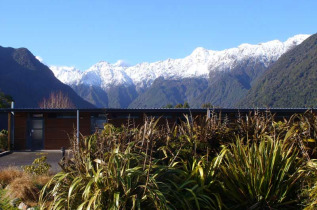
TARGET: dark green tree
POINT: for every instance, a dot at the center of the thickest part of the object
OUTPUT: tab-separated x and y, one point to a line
5	100
207	105
179	106
186	105
168	106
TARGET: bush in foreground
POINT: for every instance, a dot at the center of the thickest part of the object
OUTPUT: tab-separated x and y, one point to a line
254	163
261	175
118	176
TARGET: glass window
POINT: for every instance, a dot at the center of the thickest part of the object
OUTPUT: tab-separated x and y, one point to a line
37	134
37	124
37	115
99	123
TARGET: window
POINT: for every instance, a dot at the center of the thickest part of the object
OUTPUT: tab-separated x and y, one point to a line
97	122
37	115
62	115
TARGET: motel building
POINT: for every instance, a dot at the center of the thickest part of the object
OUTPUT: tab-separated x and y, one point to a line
51	129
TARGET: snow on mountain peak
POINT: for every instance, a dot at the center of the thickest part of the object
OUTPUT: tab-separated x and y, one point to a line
39	58
296	40
200	52
105	75
121	63
198	64
66	74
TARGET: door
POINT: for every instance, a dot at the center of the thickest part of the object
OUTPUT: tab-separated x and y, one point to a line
36	134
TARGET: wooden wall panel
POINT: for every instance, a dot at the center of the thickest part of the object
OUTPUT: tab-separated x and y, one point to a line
117	122
59	131
171	118
20	131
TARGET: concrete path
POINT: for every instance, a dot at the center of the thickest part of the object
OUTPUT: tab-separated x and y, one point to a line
19	158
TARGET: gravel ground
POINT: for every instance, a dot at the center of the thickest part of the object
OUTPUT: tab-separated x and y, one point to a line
21	158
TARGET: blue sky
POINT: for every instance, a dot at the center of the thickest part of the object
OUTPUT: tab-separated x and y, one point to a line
82	32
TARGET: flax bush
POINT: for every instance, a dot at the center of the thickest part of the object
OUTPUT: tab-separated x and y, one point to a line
192	184
120	174
261	175
254	162
129	168
309	188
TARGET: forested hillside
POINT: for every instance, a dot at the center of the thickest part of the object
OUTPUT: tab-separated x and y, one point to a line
290	82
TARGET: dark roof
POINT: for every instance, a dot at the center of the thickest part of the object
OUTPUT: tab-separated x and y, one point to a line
163	110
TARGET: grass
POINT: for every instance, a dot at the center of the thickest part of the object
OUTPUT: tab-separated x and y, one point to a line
8	174
17	184
27	188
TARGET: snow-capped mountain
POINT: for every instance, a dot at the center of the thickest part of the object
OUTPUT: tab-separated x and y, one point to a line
66	74
200	64
105	75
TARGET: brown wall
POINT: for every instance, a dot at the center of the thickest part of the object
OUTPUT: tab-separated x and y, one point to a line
117	119
20	131
58	131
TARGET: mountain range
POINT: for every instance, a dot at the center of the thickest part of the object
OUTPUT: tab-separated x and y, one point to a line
271	74
222	78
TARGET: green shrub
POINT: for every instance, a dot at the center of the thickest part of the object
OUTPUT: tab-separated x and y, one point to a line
309	188
305	132
117	180
255	125
261	175
197	164
38	167
3	140
192	184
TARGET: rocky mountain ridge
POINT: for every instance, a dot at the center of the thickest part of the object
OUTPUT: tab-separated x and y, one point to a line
127	84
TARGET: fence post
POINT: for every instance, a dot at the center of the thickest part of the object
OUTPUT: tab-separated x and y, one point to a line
77	133
12	125
208	113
